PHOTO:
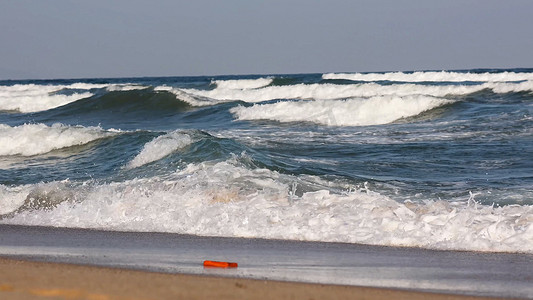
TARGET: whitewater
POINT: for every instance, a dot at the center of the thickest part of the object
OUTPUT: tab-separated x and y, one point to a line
428	159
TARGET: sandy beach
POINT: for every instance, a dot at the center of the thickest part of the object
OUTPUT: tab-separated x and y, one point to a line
66	263
38	280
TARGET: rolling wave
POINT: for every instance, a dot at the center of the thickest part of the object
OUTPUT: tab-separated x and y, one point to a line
442	76
187	97
180	163
33	98
334	91
28	98
78	97
135	100
351	112
237	84
160	147
226	198
135	105
34	139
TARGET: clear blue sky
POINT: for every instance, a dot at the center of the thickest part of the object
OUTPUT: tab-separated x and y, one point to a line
119	38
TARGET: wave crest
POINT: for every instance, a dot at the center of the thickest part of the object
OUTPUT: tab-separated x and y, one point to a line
32	98
28	98
442	76
352	112
34	139
334	91
238	84
227	199
160	147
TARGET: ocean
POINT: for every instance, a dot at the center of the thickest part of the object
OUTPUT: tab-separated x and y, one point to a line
427	159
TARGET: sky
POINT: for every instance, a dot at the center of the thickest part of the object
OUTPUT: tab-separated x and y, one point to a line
45	39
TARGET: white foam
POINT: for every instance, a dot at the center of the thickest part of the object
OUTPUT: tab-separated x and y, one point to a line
242	83
12	198
227	199
334	91
33	98
442	76
160	147
352	112
86	86
33	139
502	88
125	87
28	98
184	96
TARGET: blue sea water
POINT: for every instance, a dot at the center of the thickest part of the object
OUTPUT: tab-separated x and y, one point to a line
433	159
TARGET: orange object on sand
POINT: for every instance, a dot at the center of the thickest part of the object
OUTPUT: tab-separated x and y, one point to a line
220	264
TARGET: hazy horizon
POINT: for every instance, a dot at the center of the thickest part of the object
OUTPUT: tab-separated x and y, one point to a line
164	38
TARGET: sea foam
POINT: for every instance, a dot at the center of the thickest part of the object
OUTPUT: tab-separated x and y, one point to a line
442	76
187	97
12	197
237	84
34	139
352	112
160	147
33	98
27	98
342	91
228	199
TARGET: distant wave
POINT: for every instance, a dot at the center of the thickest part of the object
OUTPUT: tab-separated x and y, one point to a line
12	197
125	87
34	139
185	161
442	76
186	97
34	98
340	91
27	98
237	84
160	147
139	101
351	112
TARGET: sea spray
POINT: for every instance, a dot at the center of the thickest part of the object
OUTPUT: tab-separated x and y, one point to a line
351	112
159	148
225	199
442	76
33	139
341	91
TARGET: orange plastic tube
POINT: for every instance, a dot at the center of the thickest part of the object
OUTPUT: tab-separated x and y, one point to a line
220	264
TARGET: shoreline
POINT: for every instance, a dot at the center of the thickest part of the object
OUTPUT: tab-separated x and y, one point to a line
43	280
409	270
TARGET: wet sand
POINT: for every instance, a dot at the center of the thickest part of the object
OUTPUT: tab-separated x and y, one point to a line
94	264
38	280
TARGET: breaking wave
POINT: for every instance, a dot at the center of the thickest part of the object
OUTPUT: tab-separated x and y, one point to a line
352	112
33	98
229	199
28	98
160	147
238	84
34	139
138	101
181	164
187	97
442	76
334	91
